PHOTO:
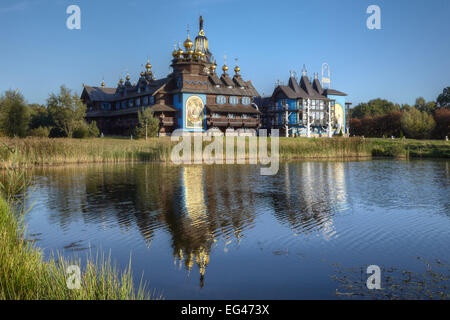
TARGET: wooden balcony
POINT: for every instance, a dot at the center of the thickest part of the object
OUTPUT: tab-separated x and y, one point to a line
235	122
251	123
218	122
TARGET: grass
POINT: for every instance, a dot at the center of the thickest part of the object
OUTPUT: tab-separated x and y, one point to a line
44	151
25	275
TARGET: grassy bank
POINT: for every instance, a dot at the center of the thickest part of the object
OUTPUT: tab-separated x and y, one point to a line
24	275
43	151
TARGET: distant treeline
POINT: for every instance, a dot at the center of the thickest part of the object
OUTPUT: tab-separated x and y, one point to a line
381	118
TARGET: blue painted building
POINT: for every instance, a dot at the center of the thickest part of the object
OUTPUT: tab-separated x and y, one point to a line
305	103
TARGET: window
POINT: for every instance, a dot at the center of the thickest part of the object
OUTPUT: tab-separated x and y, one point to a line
215	115
234	100
145	101
138	102
117	105
124	104
231	116
221	99
152	100
130	103
245	116
246	101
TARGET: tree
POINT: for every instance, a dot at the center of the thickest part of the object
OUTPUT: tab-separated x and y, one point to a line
442	118
148	124
443	101
14	114
417	124
424	106
374	107
39	116
67	111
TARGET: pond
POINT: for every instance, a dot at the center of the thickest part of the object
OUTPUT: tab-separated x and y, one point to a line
226	232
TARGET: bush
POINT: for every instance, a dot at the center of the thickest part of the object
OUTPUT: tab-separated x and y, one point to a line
442	118
42	132
416	124
81	132
93	130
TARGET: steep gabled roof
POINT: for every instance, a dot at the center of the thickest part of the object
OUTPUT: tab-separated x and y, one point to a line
332	92
317	86
227	80
99	93
306	85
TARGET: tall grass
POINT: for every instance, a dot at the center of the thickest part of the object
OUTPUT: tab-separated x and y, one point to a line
44	151
25	275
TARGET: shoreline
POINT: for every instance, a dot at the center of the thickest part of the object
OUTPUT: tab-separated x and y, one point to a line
46	152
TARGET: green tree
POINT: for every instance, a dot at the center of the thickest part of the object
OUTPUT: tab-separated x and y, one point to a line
424	106
417	124
148	124
67	111
39	116
14	114
376	107
443	101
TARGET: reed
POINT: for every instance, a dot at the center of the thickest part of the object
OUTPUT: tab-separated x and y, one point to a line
44	151
25	275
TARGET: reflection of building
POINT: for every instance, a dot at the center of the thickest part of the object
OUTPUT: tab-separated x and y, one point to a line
193	97
289	107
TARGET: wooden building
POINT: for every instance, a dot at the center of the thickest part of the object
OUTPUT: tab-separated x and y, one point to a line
193	97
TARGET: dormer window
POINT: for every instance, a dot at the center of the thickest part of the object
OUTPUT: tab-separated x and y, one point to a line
234	100
246	101
221	99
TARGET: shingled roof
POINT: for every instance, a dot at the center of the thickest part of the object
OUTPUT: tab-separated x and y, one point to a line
332	92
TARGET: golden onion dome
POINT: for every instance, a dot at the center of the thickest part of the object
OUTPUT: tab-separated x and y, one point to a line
142	73
128	77
121	81
237	69
213	67
195	55
148	66
180	52
188	44
174	53
190	52
225	68
103	83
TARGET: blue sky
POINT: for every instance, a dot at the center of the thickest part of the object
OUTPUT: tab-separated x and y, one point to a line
407	58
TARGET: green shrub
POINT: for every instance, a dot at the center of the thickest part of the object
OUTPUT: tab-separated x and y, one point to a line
42	132
81	132
93	130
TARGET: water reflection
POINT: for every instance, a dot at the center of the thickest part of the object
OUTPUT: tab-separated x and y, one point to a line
205	207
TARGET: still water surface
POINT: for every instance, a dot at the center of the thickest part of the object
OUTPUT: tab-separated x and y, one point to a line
225	232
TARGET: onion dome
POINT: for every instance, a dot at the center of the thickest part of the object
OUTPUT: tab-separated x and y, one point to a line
148	66
142	73
190	52
225	68
120	81
103	83
128	77
188	44
174	53
195	55
180	52
237	69
213	67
